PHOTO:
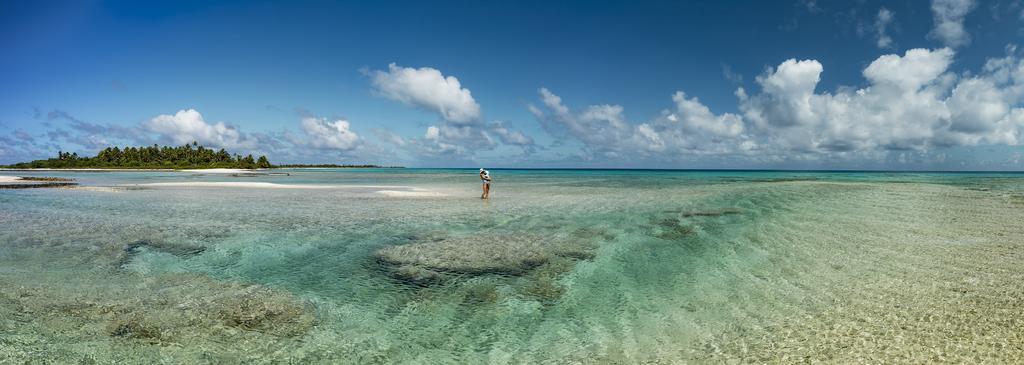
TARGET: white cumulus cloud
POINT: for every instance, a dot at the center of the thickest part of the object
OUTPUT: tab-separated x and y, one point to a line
910	71
949	21
696	118
786	94
912	104
896	111
599	127
882	21
461	129
188	125
603	130
427	88
323	133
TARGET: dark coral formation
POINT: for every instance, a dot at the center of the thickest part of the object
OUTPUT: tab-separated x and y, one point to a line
532	261
38	185
175	308
711	213
134	326
542	284
671	229
770	179
36	182
45	178
510	255
261	309
174	248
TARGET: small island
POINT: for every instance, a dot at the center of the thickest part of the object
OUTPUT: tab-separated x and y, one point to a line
189	156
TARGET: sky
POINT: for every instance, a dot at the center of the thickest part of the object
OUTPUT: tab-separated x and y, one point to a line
801	84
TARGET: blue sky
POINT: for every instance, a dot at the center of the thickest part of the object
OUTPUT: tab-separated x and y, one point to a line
801	84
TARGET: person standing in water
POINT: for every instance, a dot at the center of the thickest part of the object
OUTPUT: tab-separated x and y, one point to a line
485	177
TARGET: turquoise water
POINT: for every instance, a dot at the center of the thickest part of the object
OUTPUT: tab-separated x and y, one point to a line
559	266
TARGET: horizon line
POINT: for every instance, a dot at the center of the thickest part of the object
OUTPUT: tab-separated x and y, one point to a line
720	169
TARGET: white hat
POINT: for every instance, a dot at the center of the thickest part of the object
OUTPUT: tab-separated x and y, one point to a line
481	169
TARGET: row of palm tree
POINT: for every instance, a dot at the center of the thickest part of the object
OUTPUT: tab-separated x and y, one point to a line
187	156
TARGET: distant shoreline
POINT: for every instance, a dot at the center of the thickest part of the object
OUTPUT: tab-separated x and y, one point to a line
80	169
312	167
190	156
332	166
191	169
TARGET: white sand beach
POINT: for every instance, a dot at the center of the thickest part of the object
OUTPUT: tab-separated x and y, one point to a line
9	179
221	171
416	193
102	189
389	190
236	184
81	169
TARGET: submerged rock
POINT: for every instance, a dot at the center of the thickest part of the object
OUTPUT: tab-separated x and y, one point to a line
35	185
529	265
173	248
507	254
30	182
45	178
579	251
771	179
546	290
134	326
590	233
417	275
1017	199
481	293
186	303
262	309
430	235
711	213
542	284
176	308
470	255
672	229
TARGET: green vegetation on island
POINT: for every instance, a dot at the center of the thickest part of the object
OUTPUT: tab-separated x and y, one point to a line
189	156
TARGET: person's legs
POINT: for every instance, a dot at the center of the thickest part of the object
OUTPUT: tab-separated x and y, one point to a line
483	190
487	190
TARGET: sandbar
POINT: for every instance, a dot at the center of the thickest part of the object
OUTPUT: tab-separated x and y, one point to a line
221	171
406	190
235	184
416	193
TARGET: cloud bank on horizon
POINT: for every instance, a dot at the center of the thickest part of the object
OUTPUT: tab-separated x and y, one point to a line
909	105
912	103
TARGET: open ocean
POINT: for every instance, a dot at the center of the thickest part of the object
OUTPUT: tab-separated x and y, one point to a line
365	266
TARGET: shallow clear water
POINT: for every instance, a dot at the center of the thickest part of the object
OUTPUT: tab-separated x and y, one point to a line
627	267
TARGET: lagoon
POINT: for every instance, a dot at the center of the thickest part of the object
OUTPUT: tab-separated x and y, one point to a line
559	266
